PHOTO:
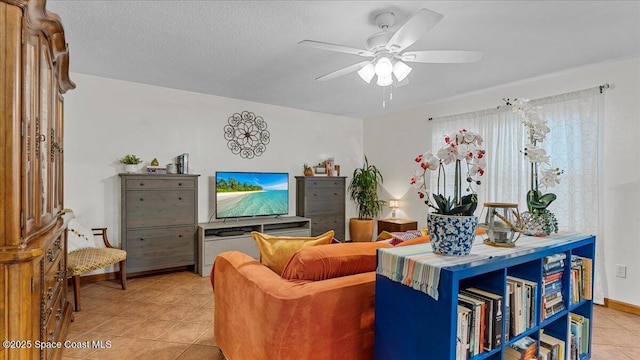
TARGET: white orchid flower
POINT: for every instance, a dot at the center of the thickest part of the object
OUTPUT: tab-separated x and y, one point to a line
536	154
550	177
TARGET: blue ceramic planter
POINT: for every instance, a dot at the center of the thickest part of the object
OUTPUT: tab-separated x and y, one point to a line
452	235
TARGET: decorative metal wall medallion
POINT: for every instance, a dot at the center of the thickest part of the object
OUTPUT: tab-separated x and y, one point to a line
246	134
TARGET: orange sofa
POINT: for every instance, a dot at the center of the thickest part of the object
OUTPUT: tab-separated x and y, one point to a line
322	307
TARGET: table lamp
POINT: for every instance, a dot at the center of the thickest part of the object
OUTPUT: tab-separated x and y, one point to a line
393	204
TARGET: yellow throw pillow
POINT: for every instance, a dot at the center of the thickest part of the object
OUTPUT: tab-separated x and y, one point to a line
275	251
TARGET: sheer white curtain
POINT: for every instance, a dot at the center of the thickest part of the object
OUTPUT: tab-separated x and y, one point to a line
574	145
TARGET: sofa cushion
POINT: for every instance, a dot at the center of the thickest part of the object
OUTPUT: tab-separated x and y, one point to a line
275	251
330	261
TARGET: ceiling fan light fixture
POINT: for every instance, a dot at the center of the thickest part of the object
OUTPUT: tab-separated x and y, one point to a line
384	80
384	67
401	70
367	72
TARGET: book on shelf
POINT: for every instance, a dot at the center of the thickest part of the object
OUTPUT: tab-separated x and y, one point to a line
523	308
493	336
552	298
522	349
579	327
462	333
555	345
581	278
477	306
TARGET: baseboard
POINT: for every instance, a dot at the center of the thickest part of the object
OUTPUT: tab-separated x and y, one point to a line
86	279
621	306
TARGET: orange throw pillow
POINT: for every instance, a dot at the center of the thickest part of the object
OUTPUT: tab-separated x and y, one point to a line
329	261
275	251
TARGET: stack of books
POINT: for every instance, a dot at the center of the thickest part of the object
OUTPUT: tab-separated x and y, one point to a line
156	170
522	349
479	322
551	348
579	336
182	163
552	299
521	302
581	278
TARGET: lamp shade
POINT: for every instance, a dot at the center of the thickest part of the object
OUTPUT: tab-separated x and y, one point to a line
393	203
384	80
367	72
401	70
383	67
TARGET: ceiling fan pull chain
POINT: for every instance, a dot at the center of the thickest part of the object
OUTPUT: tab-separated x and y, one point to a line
384	102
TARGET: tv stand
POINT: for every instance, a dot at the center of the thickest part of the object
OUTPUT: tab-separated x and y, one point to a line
217	237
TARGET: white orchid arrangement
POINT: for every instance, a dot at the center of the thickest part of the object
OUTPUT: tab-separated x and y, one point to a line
463	145
542	173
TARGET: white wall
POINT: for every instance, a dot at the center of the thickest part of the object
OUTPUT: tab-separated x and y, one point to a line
106	119
391	142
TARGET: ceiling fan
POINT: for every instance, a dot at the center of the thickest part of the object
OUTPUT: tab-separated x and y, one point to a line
387	50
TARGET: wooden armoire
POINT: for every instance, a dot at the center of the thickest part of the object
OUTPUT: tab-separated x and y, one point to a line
35	73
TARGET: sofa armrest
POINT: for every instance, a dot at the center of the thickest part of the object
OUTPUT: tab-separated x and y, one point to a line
259	315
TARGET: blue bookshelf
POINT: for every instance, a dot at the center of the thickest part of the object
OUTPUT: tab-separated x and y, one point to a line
412	325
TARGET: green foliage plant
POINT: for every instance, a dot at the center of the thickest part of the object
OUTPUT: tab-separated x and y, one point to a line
130	159
363	190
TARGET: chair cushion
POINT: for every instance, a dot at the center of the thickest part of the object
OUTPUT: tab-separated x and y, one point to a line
330	261
89	259
275	251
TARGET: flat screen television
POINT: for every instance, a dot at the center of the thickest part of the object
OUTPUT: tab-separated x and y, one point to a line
248	194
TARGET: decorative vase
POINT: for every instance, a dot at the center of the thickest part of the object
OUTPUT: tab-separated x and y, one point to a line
308	172
452	235
131	168
541	225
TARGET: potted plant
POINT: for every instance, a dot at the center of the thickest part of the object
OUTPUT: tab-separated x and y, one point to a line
307	170
538	221
452	225
131	163
364	191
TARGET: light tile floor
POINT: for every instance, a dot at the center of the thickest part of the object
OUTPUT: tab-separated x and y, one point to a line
170	317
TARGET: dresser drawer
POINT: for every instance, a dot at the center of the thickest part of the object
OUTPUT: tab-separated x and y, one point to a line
52	316
155	248
160	208
53	253
53	278
323	223
324	206
146	183
324	184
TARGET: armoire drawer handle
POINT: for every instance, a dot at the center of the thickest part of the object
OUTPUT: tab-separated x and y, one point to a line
141	239
179	184
141	199
179	235
141	184
180	198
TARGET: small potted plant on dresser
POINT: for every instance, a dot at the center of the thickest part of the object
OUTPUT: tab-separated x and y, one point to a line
131	162
364	191
308	171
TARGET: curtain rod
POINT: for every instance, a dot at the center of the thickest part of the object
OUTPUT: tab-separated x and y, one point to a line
602	88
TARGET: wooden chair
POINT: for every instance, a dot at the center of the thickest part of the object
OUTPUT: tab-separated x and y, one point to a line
92	258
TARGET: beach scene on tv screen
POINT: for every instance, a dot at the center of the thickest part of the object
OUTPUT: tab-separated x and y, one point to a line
251	194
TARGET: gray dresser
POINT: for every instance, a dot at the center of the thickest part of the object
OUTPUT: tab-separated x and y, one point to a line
322	199
159	221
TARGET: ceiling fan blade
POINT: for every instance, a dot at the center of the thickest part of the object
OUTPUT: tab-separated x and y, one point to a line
413	29
343	71
334	47
442	56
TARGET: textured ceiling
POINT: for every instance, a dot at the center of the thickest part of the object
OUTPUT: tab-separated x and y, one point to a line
249	49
